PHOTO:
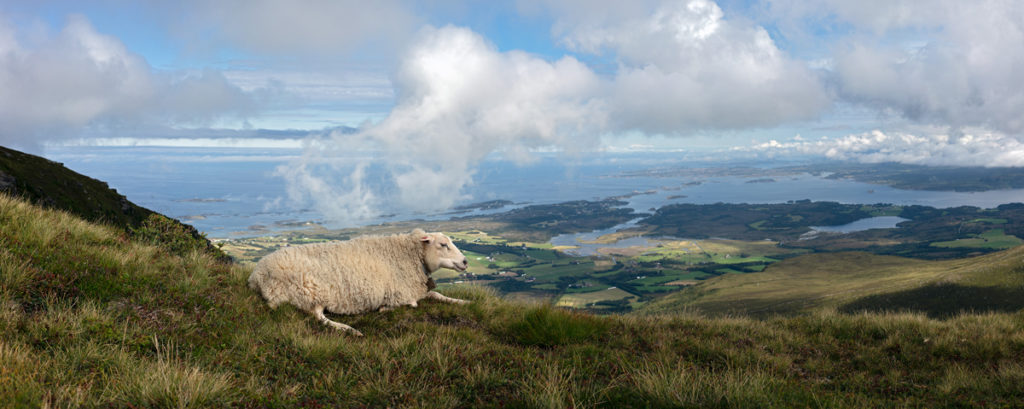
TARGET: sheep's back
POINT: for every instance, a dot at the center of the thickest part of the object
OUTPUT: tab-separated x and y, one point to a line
350	276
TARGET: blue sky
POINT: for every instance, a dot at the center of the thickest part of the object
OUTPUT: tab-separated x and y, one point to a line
928	82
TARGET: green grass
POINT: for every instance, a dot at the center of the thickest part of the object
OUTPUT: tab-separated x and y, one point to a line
989	220
876	211
656	283
547	326
592	286
54	186
585	299
547	271
91	319
992	239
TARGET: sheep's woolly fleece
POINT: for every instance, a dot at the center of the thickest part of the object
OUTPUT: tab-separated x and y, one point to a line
363	274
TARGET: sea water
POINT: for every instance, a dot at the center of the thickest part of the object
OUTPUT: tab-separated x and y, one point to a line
227	192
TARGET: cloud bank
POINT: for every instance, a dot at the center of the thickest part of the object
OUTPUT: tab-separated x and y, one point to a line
54	85
683	67
942	62
973	147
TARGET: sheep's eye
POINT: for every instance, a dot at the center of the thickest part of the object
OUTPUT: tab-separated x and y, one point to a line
445	245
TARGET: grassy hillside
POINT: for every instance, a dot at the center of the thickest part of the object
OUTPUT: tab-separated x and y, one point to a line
50	184
854	282
91	318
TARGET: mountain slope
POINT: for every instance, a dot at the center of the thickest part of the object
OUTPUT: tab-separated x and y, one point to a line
856	281
54	186
92	318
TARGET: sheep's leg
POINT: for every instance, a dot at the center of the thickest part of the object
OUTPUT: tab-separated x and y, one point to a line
387	308
318	311
440	297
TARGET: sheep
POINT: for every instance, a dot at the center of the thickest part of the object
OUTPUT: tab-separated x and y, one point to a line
363	274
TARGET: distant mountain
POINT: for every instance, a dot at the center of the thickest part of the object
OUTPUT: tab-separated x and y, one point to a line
52	185
855	282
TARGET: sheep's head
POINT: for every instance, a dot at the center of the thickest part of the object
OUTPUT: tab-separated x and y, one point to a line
440	252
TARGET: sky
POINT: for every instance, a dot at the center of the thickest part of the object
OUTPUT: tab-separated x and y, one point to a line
431	88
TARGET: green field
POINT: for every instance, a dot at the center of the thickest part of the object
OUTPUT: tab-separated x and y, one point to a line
537	271
989	221
663	267
992	239
588	299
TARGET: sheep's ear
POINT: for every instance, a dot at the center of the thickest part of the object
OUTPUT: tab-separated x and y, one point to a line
426	238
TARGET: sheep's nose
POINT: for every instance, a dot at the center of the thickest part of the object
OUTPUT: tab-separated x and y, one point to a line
465	261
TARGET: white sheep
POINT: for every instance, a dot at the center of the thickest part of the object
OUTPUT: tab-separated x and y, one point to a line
363	274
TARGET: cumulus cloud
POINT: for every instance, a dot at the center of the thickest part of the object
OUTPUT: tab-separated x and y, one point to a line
944	62
975	147
78	77
459	99
683	66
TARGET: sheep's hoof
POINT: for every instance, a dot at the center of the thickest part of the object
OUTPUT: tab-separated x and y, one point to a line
356	332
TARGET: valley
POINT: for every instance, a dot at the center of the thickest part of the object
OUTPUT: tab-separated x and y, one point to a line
683	252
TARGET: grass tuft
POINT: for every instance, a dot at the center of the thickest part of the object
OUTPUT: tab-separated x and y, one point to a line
548	326
169	382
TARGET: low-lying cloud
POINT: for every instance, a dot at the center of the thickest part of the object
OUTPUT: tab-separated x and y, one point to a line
972	148
459	99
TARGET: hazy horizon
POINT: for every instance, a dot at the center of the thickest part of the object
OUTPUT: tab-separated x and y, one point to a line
422	94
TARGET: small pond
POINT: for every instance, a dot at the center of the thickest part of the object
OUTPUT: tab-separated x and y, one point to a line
590	249
880	222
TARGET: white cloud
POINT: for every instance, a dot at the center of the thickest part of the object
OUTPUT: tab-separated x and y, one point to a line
945	62
327	86
193	142
459	99
975	147
683	66
57	84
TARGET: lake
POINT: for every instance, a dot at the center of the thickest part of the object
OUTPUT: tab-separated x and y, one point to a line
227	192
879	222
